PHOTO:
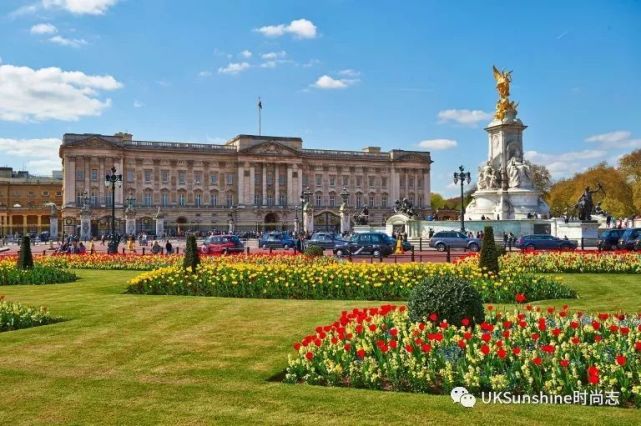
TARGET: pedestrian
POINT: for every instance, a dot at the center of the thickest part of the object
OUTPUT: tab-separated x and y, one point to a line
92	250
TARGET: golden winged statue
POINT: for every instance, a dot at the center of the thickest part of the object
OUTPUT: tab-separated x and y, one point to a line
504	105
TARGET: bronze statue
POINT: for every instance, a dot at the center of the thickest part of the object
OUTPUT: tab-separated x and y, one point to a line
504	106
585	205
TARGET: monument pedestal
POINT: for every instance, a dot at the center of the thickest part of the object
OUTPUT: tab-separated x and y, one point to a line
53	228
499	204
345	223
308	220
85	226
586	230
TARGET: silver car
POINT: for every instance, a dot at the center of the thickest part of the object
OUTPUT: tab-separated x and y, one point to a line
454	239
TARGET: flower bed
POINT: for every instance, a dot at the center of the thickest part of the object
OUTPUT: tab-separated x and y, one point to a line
14	316
323	278
39	274
578	261
553	352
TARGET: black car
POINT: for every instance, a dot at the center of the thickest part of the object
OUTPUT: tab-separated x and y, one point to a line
276	240
366	243
324	240
629	239
610	239
544	242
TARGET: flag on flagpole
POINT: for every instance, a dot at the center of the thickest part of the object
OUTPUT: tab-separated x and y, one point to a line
260	104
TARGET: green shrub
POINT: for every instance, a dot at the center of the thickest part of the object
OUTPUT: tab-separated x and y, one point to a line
313	251
192	257
450	297
25	259
489	258
10	274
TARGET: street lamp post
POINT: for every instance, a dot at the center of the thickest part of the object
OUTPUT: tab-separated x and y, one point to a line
463	177
112	180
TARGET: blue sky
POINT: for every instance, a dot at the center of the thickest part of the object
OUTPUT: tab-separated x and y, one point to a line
340	74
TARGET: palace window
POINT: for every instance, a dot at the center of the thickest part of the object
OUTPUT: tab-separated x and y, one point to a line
345	180
270	199
213	179
402	181
282	179
410	180
305	180
148	199
230	198
131	176
230	178
332	200
282	199
359	181
319	180
164	199
384	200
371	180
181	199
147	176
359	200
419	182
198	199
371	200
80	175
213	199
420	200
94	175
93	199
384	182
332	180
319	200
181	177
198	178
164	175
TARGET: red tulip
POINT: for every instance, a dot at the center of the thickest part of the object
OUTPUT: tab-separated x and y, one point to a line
564	363
485	349
461	344
501	353
486	337
426	348
347	347
433	317
621	360
516	350
465	322
409	348
309	356
360	353
537	360
520	298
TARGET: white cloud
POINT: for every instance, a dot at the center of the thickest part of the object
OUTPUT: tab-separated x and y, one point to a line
138	104
51	93
463	116
327	82
42	153
349	73
44	29
616	139
70	42
80	7
438	144
270	56
269	64
567	163
299	28
234	68
204	74
246	54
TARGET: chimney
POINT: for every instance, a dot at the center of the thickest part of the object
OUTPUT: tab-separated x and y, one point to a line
372	149
124	136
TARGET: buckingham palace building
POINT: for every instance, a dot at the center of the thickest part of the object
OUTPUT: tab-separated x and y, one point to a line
255	182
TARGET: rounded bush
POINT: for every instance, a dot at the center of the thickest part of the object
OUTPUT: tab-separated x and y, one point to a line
450	297
313	251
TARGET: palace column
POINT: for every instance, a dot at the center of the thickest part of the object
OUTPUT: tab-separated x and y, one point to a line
69	180
394	185
291	200
252	185
101	178
241	185
276	184
264	201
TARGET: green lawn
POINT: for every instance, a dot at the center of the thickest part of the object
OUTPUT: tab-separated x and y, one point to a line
128	359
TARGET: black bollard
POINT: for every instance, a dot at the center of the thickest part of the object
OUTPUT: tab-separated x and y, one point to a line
448	257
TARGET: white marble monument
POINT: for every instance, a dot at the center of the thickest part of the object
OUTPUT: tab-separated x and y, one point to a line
504	187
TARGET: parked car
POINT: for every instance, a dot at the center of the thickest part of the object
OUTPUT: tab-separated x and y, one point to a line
366	243
276	240
324	240
222	244
454	239
610	239
629	239
544	242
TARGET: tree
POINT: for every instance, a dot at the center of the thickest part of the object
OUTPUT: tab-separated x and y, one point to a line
630	168
489	257
192	257
25	259
617	200
437	201
541	178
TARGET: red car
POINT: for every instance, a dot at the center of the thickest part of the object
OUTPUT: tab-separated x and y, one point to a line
222	244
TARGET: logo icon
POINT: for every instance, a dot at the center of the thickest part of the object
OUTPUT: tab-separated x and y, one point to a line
461	395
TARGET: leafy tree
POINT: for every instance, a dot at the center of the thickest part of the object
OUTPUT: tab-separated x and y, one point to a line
630	168
541	177
489	257
617	200
192	257
25	259
438	202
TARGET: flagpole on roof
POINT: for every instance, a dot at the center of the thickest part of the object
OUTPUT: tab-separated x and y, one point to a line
260	109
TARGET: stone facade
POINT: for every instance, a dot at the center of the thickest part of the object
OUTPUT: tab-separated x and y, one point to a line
23	200
254	181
